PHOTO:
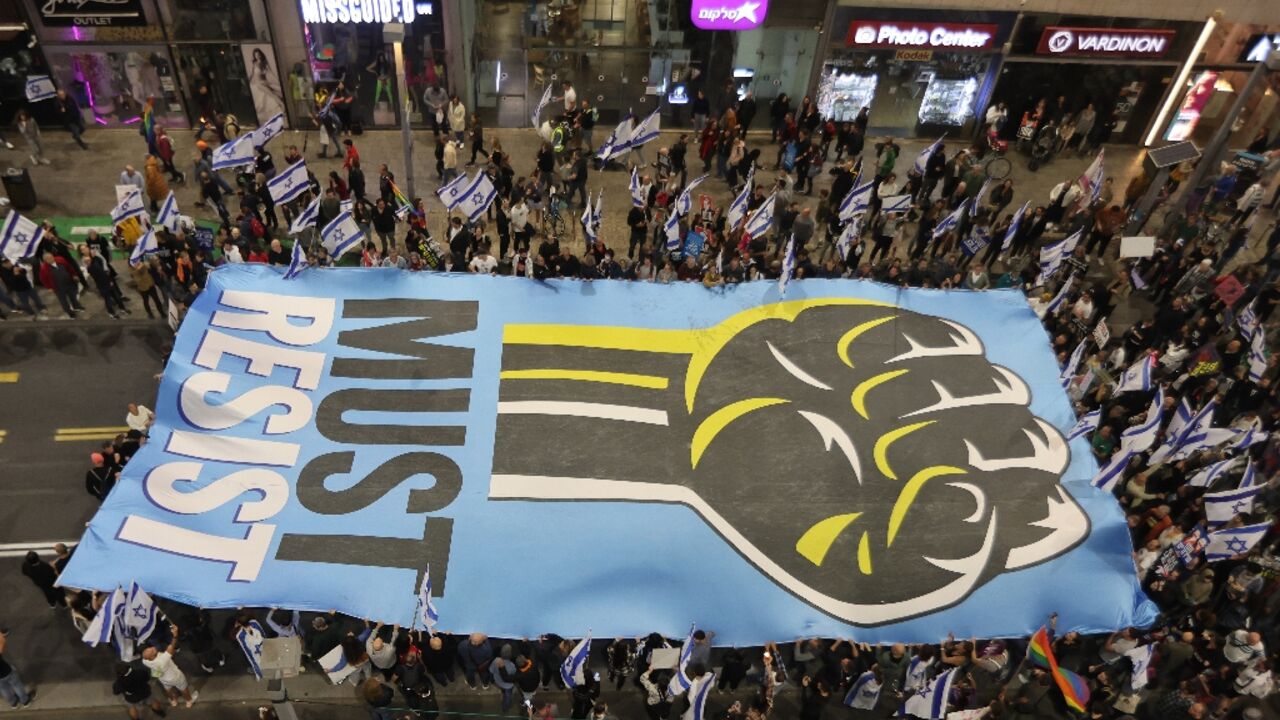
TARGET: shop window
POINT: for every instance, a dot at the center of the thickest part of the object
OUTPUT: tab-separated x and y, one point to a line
113	84
210	20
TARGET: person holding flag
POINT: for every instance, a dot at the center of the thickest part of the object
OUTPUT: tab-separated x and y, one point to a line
574	666
427	615
289	185
340	235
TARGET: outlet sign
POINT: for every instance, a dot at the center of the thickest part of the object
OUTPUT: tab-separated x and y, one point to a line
927	36
1105	42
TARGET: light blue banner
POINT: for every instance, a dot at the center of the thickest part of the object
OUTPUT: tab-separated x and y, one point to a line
851	460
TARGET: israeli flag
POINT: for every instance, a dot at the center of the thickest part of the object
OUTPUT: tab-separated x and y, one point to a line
1069	372
1248	438
1141	659
169	215
307	218
672	229
788	266
684	202
588	224
250	638
597	215
237	153
647	130
1050	261
101	629
760	221
1111	473
40	87
698	696
931	702
858	199
19	237
1014	225
1061	297
537	110
140	618
452	193
1210	474
340	235
1181	417
1085	425
922	160
297	261
1070	242
737	211
347	205
1203	440
1226	544
982	193
288	185
428	616
1194	426
1093	177
130	206
681	682
637	196
848	236
978	239
572	670
1142	436
1257	355
268	130
896	204
951	221
335	665
1248	479
1138	376
616	143
146	245
1248	320
477	197
1220	507
864	694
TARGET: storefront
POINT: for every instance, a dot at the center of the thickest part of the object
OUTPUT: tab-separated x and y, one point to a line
1120	68
20	56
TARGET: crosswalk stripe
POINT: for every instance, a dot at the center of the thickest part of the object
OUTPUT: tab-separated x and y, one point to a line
83	430
84	229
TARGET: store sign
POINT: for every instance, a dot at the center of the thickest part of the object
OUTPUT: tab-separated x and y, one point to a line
91	13
369	11
1258	47
1108	42
886	34
913	55
728	15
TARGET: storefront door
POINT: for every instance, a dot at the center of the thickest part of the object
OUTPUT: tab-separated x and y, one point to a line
214	81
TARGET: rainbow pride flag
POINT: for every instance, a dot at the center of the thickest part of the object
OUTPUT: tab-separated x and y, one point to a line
404	207
148	128
1073	687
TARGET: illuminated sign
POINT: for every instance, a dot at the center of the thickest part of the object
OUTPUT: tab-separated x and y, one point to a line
65	13
370	11
731	15
887	34
1111	42
1258	47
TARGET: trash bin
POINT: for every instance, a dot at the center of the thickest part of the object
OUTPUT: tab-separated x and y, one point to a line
17	185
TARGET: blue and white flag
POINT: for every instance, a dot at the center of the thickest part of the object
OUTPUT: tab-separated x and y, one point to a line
1257	355
858	199
951	221
146	245
931	702
1141	659
451	194
1050	261
142	614
268	130
169	215
130	206
1085	425
1208	475
698	696
1220	507
307	218
1138	376
1111	473
737	211
537	110
1061	297
335	665
102	627
684	201
1093	177
1244	439
761	221
864	694
428	616
340	235
671	227
1248	320
788	265
680	681
250	637
647	130
573	669
1136	279
297	261
19	237
848	236
896	204
1181	417
597	215
922	160
637	195
1014	225
1142	436
982	193
977	239
1226	544
1070	242
40	87
1186	432
477	197
1069	372
589	226
616	143
288	185
1249	478
235	154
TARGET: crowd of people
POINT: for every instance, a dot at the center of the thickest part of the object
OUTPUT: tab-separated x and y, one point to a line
1217	636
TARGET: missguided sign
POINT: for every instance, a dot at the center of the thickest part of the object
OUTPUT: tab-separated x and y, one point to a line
629	456
370	11
1104	42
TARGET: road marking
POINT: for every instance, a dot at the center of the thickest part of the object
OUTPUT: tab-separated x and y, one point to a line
84	229
8	377
3	434
88	433
12	550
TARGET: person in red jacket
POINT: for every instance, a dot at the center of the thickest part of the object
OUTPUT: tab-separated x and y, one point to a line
164	147
57	275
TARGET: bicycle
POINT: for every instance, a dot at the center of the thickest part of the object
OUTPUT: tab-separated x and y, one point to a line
553	219
998	167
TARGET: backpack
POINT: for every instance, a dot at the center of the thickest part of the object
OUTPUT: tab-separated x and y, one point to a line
256	226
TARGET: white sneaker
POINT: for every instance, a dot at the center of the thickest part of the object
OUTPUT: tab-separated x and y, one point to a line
194	696
8	144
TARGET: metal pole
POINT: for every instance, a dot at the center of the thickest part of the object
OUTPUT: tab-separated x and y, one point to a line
406	135
1218	143
1148	201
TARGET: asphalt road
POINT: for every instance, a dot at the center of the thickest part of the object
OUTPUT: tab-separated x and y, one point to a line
66	386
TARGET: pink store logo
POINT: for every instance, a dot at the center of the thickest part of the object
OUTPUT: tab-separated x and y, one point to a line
728	14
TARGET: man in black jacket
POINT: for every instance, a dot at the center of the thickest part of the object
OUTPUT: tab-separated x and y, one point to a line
384	224
70	116
100	478
133	684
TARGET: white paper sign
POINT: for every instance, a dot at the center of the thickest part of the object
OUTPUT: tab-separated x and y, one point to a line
1139	246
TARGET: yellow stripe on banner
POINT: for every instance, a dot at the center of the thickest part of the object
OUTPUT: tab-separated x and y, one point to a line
864	554
652	382
909	492
817	540
600	336
709	428
881	450
8	377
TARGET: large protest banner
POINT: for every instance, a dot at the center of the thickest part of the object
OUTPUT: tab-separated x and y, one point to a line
851	460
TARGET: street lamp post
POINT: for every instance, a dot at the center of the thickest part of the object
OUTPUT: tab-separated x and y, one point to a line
394	34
